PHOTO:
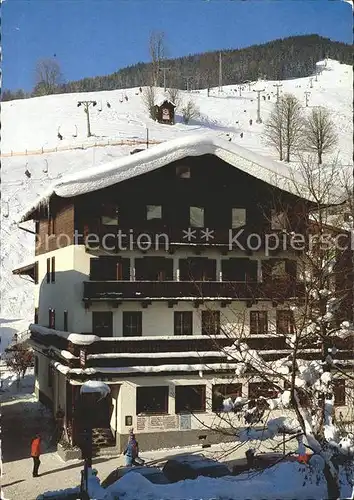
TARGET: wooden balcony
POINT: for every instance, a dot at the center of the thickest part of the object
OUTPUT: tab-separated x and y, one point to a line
165	350
189	290
166	237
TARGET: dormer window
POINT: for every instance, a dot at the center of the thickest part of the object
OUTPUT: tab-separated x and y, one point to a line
153	212
279	220
238	217
183	172
196	216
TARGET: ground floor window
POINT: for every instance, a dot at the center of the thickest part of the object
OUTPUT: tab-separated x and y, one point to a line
258	322
190	398
102	323
259	392
132	323
222	392
183	322
151	400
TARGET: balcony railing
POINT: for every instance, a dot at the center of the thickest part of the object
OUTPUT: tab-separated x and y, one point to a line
270	347
163	236
186	290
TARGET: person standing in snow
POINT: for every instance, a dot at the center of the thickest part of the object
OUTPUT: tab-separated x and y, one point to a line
36	453
131	451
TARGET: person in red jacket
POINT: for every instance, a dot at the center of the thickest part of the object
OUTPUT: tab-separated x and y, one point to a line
36	453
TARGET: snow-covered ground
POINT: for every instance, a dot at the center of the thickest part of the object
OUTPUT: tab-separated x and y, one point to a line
33	125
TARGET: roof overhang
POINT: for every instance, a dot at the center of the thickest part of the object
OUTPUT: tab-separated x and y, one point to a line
27	270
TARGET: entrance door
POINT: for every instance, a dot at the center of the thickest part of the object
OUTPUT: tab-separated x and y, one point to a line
102	323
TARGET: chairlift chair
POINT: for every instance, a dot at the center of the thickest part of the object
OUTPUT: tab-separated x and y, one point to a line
27	172
6	209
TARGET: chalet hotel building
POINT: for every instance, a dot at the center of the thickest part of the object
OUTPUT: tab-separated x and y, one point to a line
152	321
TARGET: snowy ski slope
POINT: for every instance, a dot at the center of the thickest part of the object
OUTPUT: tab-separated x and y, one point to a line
33	125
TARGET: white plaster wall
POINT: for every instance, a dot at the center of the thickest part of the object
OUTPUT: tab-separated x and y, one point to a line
158	318
59	295
72	269
202	420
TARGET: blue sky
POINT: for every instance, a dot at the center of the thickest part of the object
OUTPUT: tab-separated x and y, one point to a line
97	37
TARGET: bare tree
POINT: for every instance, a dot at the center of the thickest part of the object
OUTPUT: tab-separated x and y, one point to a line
293	123
274	130
157	50
189	111
284	128
48	76
18	359
300	382
319	132
149	97
174	95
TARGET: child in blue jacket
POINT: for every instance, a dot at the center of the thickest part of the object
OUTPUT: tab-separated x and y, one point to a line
131	451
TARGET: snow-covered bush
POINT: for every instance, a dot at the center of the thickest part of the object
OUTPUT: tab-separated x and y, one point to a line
189	111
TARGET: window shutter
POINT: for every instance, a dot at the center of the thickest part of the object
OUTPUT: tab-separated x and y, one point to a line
52	319
253	322
36	311
339	392
48	270
36	273
65	321
53	270
266	270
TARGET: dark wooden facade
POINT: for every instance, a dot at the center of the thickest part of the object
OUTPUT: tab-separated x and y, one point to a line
270	347
165	112
212	184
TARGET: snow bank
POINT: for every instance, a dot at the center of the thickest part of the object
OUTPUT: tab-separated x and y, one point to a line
283	481
125	168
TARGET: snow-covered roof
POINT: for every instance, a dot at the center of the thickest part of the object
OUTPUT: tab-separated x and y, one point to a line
75	338
95	386
159	102
127	167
